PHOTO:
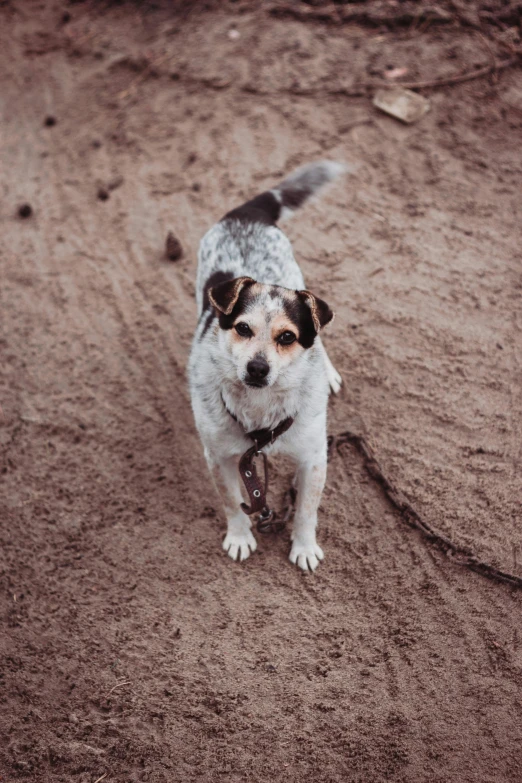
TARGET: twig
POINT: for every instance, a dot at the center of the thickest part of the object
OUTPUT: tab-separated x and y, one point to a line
374	14
144	74
102	778
489	49
370	13
118	685
358	90
510	14
461	554
458	78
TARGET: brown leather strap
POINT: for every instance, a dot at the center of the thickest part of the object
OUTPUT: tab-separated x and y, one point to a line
256	489
247	469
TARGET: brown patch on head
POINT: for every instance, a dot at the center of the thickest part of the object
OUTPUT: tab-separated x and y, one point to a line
308	313
281	323
225	295
321	313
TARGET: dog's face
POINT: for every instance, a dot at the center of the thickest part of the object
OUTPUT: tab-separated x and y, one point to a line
266	330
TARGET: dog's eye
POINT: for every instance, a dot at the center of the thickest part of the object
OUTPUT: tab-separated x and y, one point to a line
243	329
287	338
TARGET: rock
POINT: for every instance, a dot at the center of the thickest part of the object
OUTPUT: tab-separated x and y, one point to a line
395	73
404	105
115	182
173	249
25	210
513	97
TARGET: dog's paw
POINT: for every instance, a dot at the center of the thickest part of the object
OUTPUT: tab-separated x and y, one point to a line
306	556
239	546
334	379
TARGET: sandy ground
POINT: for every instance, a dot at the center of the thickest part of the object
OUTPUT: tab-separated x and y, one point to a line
132	647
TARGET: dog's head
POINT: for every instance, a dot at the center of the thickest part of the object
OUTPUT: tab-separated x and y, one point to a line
265	329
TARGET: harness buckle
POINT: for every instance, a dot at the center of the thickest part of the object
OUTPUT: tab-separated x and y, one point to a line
268	522
264	521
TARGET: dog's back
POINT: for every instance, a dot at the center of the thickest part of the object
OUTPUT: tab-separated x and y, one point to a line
247	240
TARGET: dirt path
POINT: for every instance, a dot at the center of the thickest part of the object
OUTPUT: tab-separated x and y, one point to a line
132	647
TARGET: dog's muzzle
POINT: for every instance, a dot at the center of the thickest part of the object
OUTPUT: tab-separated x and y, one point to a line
257	370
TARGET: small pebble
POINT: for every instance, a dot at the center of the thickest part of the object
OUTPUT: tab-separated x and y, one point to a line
173	249
115	182
49	121
25	210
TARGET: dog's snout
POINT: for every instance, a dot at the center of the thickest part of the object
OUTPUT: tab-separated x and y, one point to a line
258	368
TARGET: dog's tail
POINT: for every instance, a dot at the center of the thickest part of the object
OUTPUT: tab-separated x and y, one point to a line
289	195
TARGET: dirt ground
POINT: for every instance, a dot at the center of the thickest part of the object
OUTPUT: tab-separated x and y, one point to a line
133	648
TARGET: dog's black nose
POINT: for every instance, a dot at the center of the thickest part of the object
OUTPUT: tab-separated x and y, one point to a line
258	368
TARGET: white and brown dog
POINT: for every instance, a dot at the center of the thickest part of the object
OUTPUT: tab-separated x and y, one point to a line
258	364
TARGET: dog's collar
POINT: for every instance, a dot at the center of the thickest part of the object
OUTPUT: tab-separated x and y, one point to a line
247	470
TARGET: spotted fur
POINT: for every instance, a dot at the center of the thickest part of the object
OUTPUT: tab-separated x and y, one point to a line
252	299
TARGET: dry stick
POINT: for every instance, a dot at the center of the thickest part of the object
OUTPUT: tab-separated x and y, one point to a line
367	12
360	89
459	77
144	74
376	15
398	500
489	49
118	685
509	14
357	90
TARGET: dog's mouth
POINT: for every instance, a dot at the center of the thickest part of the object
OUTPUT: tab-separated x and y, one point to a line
255	384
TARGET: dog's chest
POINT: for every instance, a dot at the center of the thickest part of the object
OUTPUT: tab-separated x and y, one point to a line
261	409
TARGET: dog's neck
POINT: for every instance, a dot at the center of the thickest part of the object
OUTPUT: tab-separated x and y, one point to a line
259	408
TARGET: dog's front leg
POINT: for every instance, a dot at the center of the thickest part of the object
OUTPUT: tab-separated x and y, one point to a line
239	542
311	476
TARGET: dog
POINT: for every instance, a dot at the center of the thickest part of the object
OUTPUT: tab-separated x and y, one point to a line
258	370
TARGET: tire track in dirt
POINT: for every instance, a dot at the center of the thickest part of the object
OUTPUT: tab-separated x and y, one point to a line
412	663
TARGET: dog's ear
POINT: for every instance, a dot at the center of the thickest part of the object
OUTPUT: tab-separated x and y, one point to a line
319	310
225	295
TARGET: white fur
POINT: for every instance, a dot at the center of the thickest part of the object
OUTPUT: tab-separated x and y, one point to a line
298	387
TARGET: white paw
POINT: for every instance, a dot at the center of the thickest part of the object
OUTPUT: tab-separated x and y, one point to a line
239	546
306	556
334	379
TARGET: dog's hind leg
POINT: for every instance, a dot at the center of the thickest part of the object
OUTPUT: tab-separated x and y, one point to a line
239	542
